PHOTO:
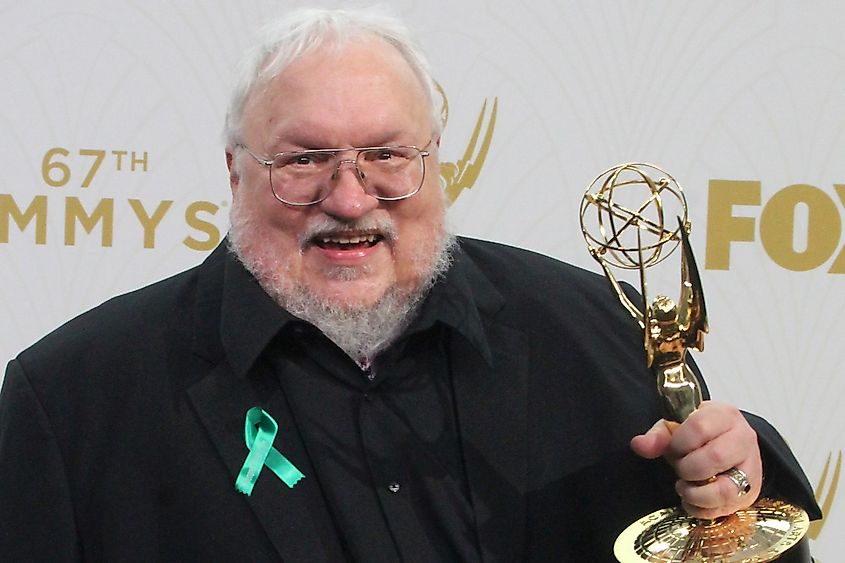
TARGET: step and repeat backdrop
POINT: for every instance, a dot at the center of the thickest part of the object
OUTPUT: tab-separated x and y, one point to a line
114	173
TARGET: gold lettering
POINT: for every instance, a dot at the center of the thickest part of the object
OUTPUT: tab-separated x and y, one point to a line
103	212
119	155
48	166
149	223
838	266
37	209
210	229
98	155
777	227
135	160
722	226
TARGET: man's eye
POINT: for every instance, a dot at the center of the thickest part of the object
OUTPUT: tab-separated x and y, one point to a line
384	154
304	160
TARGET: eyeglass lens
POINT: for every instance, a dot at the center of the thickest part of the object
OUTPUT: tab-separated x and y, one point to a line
386	173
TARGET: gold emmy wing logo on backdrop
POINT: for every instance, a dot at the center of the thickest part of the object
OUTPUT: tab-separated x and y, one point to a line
461	175
826	493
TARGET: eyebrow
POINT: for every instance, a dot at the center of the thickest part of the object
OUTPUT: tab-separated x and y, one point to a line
305	142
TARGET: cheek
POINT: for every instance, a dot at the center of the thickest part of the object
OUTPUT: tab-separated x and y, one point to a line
270	221
285	228
420	235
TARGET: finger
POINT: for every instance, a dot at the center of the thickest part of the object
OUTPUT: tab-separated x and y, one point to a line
716	497
731	449
736	447
710	420
654	442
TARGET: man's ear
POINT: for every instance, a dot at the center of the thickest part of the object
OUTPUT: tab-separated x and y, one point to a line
234	178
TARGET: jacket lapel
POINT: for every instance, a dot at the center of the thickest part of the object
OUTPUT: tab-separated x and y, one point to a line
297	519
491	402
489	365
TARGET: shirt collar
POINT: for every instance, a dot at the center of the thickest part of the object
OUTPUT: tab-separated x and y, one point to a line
250	319
461	300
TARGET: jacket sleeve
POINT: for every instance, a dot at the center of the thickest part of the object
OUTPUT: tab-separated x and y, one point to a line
783	477
36	510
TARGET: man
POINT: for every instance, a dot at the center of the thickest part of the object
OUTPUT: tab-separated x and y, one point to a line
427	398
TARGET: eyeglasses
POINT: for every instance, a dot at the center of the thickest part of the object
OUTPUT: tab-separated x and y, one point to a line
303	178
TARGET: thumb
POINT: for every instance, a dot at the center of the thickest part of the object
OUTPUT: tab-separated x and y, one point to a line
653	443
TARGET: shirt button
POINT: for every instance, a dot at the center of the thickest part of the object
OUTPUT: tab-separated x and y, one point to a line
393	487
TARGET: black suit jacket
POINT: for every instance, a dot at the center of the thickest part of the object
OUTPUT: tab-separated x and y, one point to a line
121	433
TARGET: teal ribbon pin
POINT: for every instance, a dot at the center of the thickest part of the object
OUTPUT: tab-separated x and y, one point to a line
259	432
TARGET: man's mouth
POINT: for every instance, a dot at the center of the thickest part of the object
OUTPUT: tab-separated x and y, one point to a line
347	241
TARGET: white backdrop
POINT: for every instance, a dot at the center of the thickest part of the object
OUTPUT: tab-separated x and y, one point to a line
114	110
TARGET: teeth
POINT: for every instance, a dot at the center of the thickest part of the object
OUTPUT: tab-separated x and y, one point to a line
354	239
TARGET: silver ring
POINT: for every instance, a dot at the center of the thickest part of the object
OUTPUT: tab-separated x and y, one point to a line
740	479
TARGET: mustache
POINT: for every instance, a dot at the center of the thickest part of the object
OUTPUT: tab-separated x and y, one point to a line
328	226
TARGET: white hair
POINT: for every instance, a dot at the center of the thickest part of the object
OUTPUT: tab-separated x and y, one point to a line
282	41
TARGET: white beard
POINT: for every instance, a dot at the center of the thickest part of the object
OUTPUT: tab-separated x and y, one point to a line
360	331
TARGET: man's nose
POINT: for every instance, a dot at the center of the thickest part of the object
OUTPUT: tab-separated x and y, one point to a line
347	197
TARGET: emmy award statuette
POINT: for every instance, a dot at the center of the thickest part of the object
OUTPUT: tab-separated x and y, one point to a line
622	219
